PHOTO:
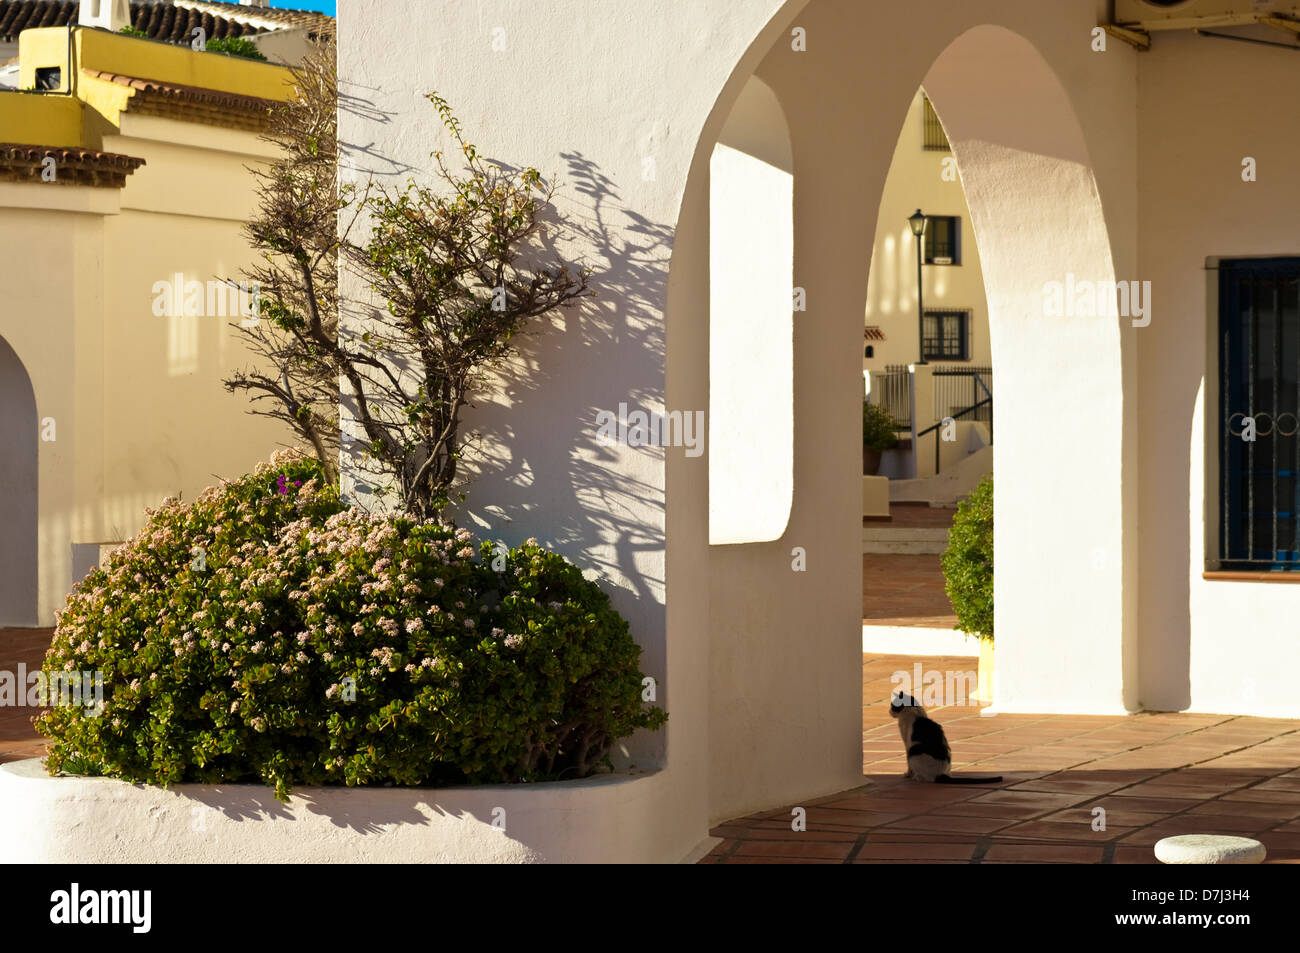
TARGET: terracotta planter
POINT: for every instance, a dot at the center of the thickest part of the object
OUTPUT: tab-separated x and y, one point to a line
870	461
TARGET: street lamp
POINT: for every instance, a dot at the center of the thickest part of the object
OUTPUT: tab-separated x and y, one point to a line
917	224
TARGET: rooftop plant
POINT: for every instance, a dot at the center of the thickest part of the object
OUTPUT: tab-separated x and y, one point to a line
235	46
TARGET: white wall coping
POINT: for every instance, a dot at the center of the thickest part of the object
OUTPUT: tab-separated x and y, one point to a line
605	819
916	640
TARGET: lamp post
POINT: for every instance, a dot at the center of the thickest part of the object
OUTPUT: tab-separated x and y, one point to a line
917	223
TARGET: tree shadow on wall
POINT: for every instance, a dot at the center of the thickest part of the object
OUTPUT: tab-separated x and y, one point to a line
542	470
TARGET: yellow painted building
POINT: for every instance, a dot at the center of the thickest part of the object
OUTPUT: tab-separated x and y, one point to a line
124	180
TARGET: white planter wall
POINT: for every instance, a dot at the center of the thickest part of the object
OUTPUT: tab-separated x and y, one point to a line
70	820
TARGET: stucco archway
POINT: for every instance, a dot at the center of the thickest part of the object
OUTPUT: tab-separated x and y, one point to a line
18	496
759	665
784	645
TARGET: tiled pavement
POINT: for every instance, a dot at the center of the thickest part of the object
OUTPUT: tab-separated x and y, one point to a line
919	514
907	590
18	740
904	590
1154	774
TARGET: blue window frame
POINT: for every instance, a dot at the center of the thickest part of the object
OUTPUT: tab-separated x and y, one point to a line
1259	396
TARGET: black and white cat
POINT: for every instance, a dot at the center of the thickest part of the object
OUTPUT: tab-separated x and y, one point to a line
928	755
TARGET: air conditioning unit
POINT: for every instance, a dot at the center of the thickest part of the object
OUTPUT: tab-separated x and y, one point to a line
1187	14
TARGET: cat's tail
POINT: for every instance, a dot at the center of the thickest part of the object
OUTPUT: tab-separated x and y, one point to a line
949	779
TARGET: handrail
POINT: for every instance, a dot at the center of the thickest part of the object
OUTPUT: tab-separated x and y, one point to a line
960	413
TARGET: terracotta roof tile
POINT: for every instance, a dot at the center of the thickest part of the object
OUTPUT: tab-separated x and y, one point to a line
171	22
176	24
19	15
873	333
24	163
191	102
268	17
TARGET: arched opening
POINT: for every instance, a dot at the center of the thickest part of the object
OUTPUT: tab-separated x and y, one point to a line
783	617
751	261
928	372
18	478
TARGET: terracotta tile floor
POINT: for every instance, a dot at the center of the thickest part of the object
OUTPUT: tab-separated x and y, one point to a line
18	740
917	514
906	590
1154	775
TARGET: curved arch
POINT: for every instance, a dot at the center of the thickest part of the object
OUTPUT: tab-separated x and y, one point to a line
783	687
1036	209
18	500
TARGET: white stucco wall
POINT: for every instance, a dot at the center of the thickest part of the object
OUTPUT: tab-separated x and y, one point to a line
74	820
1205	105
634	84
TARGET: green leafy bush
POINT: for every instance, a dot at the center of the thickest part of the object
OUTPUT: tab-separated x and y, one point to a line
968	562
877	427
129	30
235	46
266	632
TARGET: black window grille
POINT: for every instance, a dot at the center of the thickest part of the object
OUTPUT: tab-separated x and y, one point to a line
1259	404
935	139
945	335
942	240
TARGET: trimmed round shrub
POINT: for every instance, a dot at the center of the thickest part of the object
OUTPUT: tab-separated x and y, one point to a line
267	632
968	562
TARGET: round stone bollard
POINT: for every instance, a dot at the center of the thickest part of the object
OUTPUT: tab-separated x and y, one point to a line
1209	849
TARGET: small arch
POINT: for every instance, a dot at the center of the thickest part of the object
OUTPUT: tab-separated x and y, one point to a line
19	480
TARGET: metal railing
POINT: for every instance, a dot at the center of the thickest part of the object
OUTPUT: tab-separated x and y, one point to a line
957	388
935	139
980	409
892	390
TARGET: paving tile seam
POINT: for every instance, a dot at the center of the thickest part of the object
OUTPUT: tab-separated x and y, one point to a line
1192	802
856	849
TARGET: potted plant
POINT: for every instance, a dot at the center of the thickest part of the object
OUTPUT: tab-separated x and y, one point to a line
877	436
968	576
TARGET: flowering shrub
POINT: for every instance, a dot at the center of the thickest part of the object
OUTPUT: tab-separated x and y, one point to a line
267	632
